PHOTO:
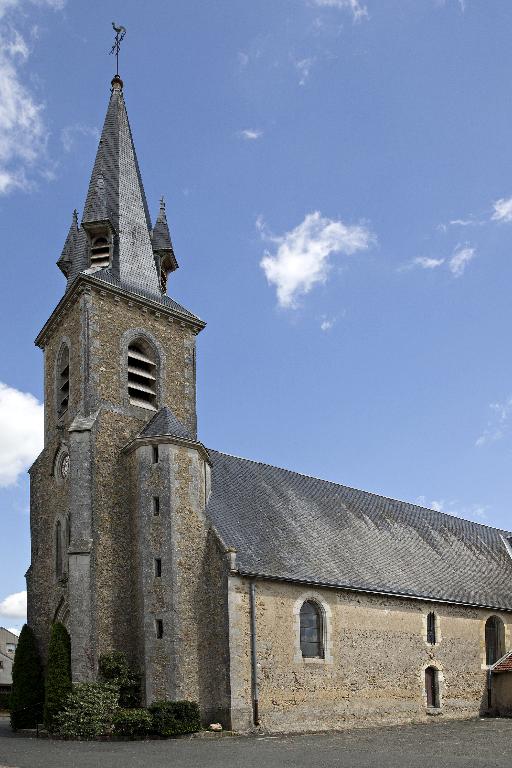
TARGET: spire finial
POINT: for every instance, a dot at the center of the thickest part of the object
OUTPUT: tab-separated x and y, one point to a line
120	33
162	204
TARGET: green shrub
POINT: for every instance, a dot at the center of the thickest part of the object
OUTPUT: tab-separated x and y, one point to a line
58	673
27	692
113	668
132	723
172	718
89	711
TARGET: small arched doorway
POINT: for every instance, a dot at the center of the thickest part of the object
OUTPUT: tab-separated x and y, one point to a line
432	687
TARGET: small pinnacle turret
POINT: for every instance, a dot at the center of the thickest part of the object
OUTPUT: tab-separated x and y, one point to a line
68	251
162	246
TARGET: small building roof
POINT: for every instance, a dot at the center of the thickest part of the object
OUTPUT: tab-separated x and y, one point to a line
289	526
504	664
164	423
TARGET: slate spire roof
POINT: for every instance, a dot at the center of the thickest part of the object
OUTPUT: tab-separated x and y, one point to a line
116	196
69	249
161	238
116	204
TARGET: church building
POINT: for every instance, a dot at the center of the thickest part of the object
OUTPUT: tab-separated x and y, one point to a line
271	598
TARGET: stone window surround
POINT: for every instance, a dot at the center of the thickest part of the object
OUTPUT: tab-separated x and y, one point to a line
326	614
507	638
439	636
126	339
441	686
62	452
64	342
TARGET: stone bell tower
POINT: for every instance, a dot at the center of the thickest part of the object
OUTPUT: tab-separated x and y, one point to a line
122	482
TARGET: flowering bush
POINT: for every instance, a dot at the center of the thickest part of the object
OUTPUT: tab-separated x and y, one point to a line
88	712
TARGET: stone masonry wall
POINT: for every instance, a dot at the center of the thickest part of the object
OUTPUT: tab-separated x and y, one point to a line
190	660
376	655
49	495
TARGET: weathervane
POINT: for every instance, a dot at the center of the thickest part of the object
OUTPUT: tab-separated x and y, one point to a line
120	33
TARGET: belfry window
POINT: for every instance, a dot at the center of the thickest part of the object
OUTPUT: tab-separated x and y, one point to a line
142	375
494	640
63	380
100	252
311	631
431	628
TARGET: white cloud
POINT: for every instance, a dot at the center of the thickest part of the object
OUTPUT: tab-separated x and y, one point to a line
425	262
456	263
70	133
301	258
14	630
359	11
303	67
502	209
498	425
327	323
21	428
251	134
23	131
455	508
460	259
14	606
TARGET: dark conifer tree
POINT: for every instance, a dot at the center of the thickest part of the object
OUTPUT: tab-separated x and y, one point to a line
27	693
58	673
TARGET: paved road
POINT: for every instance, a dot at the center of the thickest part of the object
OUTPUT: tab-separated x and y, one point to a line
470	744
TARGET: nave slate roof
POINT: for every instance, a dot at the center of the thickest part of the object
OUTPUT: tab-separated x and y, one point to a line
298	528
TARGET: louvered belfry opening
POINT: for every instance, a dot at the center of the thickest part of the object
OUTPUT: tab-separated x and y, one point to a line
142	372
100	252
63	381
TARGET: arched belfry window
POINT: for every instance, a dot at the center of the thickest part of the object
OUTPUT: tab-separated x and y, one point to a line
142	374
63	380
100	252
58	549
311	630
494	640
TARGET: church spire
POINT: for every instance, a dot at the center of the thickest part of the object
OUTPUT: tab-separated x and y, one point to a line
116	210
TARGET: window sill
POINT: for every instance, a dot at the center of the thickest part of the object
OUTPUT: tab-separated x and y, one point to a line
434	711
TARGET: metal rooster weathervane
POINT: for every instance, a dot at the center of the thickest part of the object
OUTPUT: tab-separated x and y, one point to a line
120	33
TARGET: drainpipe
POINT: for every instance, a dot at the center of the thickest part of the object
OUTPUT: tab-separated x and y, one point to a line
254	664
489	689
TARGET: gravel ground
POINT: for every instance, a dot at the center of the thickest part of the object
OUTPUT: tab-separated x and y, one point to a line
469	744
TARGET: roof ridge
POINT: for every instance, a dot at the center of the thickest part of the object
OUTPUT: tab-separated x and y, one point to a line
362	490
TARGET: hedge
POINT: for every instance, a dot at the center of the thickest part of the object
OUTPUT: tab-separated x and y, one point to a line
132	723
173	718
58	673
27	692
5	697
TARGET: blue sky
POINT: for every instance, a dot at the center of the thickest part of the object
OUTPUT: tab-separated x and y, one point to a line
338	177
